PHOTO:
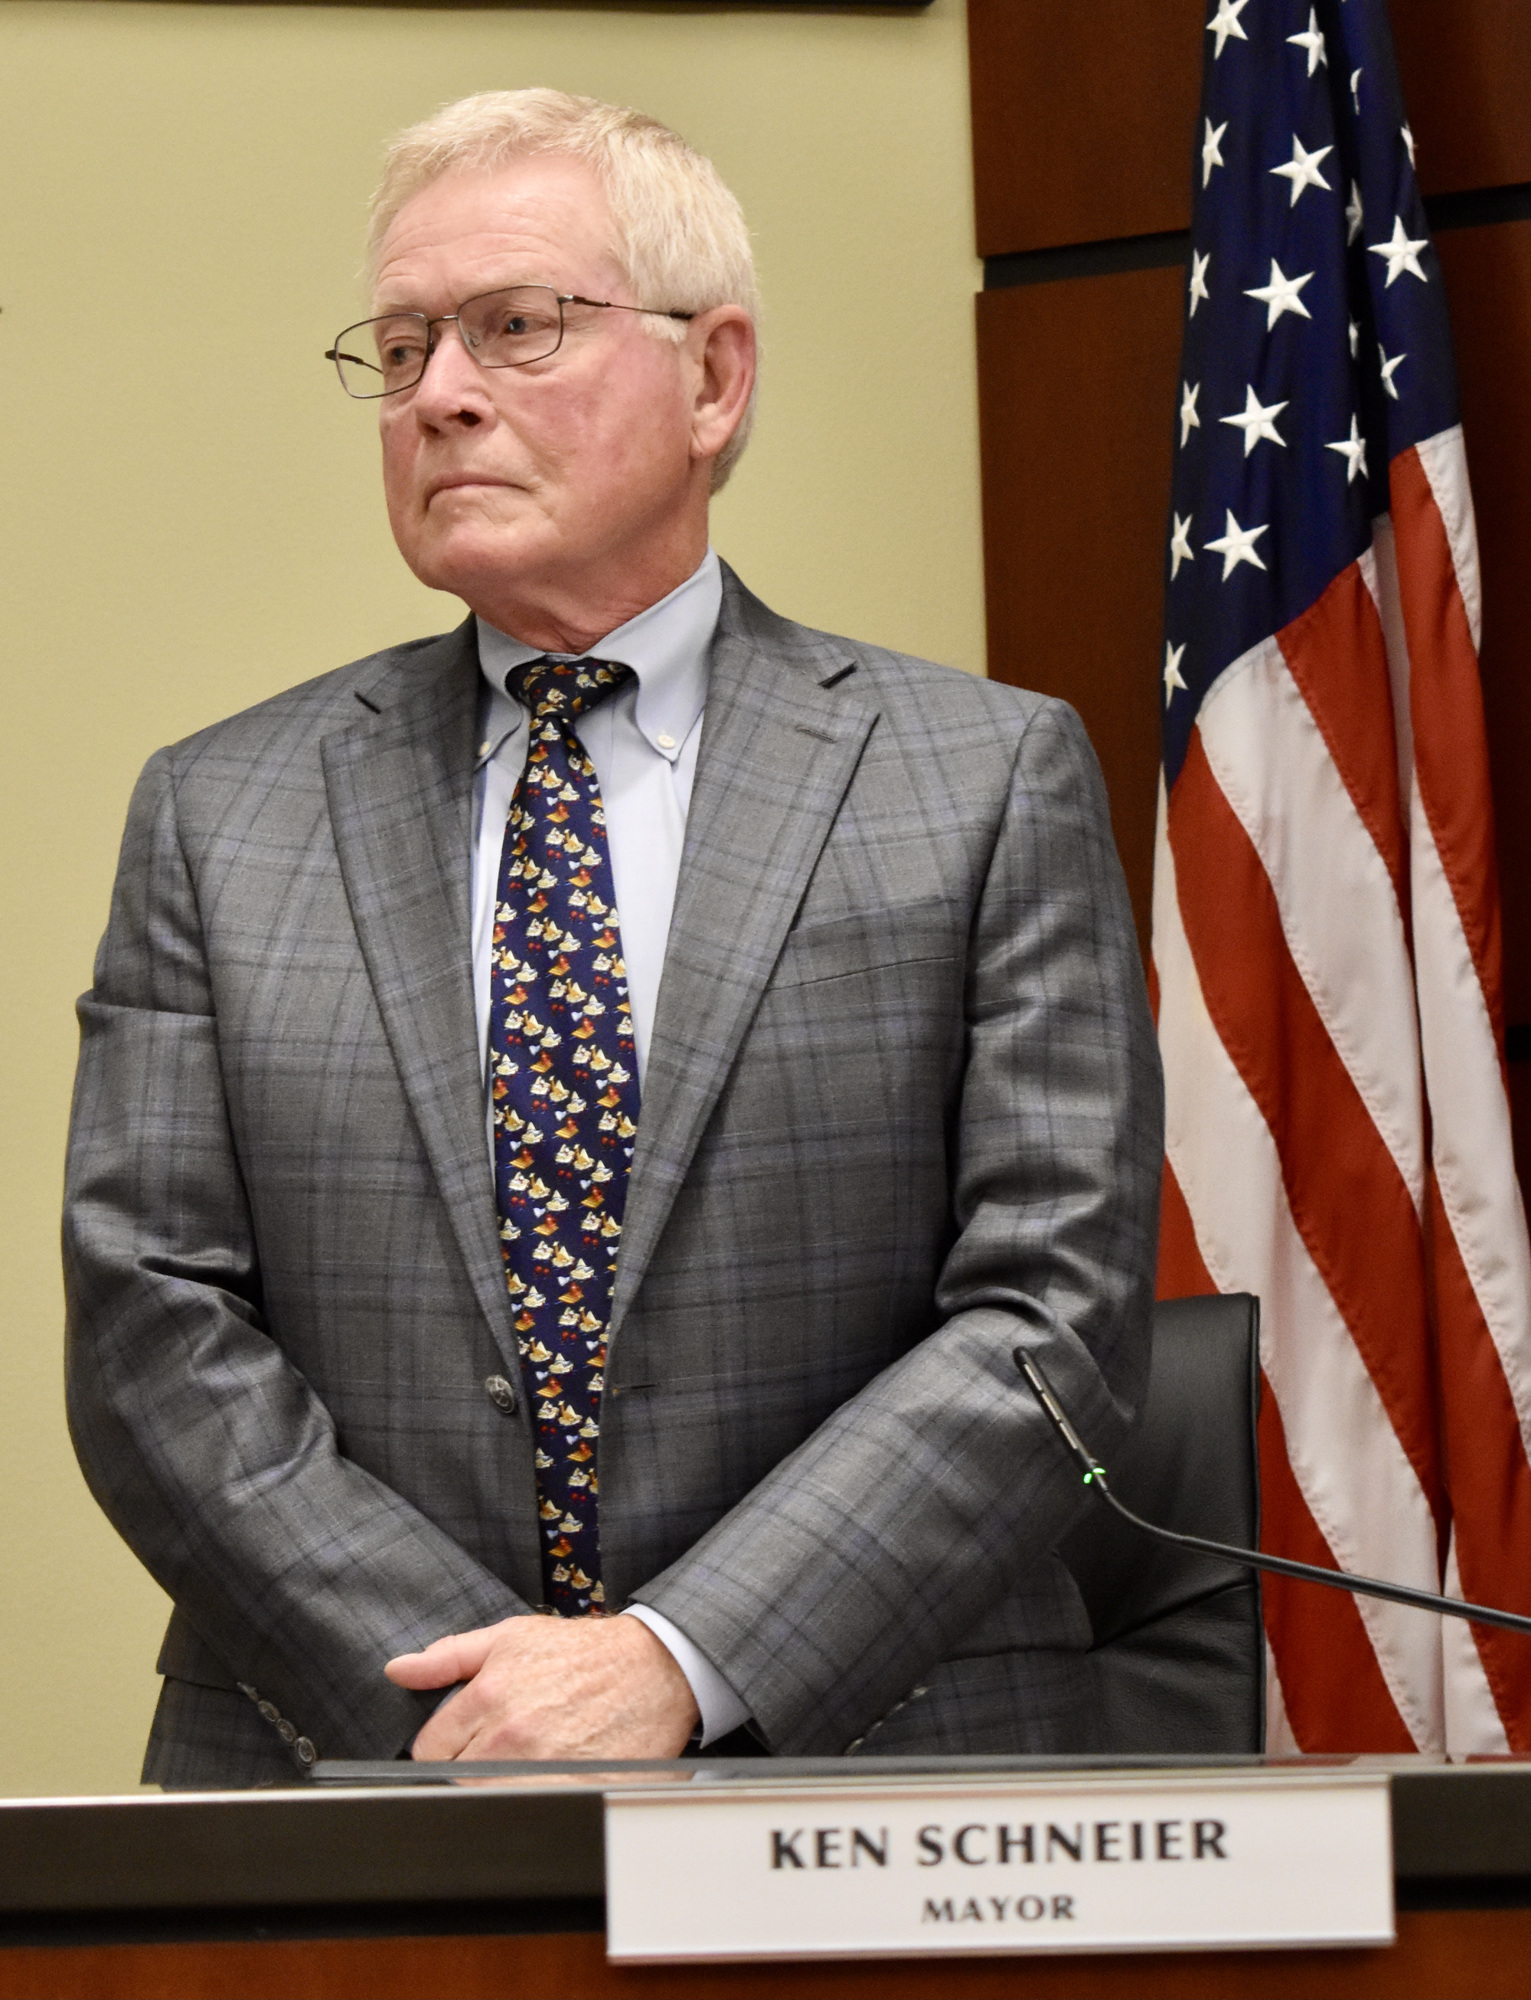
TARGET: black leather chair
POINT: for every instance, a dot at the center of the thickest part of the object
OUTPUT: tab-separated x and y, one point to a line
1179	1652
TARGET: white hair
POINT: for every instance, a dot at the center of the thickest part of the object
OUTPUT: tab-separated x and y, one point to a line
679	234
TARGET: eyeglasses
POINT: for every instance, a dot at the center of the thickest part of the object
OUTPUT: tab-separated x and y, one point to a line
506	329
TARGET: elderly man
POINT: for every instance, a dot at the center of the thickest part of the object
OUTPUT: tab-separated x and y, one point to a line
575	1115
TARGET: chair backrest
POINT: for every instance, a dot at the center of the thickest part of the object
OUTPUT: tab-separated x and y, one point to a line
1179	1652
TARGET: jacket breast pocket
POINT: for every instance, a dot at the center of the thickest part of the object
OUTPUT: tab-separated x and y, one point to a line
843	947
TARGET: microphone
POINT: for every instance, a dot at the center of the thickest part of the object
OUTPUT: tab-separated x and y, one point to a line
1365	1586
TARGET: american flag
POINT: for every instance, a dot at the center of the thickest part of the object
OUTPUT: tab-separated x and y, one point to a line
1326	928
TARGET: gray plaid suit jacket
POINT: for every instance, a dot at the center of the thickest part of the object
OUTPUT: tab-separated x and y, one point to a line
902	1110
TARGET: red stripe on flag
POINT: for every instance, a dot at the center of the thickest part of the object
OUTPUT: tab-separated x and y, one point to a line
1336	1698
1182	1274
1337	657
1446	701
1348	1200
1489	1479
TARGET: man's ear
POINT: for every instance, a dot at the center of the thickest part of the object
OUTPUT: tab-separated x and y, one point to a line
722	343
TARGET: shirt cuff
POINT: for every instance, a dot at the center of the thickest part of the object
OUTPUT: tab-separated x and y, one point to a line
721	1709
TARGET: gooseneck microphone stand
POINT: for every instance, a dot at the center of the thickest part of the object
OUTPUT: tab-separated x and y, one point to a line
1364	1586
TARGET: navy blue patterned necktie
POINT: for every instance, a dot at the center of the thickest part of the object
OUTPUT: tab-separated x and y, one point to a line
565	1094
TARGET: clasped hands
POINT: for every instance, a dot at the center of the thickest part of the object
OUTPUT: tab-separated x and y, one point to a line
551	1687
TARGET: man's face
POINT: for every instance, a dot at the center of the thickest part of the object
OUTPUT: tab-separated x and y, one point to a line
538	481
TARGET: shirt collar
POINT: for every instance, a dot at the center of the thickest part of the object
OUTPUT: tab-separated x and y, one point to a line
667	646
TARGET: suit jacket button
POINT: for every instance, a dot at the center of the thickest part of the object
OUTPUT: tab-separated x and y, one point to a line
501	1394
285	1730
269	1711
305	1752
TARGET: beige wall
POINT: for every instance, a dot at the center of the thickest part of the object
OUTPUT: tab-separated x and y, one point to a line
189	515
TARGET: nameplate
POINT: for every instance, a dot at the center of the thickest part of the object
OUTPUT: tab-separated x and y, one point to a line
1114	1862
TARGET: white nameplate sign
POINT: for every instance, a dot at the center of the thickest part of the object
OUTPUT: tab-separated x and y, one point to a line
1114	1862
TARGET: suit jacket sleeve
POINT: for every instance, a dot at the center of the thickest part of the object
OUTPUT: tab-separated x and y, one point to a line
867	1555
199	1438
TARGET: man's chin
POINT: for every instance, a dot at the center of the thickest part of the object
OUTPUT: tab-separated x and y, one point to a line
471	562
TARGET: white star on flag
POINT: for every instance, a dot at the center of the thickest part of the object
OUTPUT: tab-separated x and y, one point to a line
1401	252
1280	295
1189	421
1180	544
1225	22
1199	280
1355	338
1237	545
1311	40
1389	369
1172	680
1210	155
1355	90
1302	169
1257	423
1354	450
1408	139
1354	214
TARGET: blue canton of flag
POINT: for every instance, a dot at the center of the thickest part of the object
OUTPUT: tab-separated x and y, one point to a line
1316	341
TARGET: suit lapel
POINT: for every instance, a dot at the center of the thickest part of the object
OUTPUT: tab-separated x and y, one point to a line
400	788
780	743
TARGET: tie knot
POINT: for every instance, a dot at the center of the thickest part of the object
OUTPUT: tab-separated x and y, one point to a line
560	690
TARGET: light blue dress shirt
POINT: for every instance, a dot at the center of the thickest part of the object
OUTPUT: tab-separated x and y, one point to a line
643	742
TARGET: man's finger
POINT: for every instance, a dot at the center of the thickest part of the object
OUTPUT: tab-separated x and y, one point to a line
446	1734
457	1657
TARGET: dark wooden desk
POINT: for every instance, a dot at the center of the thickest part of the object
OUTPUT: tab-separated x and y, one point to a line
443	1892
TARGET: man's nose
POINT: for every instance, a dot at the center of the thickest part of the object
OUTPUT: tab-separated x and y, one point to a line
452	389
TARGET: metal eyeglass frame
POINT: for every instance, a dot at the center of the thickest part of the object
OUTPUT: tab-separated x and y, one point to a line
561	299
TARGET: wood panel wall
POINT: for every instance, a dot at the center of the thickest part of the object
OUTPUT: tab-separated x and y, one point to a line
1083	123
1083	114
